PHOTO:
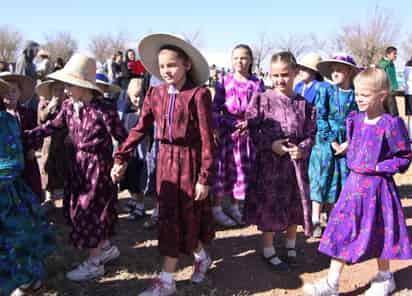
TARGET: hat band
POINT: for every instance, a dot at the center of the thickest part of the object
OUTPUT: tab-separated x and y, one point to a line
346	59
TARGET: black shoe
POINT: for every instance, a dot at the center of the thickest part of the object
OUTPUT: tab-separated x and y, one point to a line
279	267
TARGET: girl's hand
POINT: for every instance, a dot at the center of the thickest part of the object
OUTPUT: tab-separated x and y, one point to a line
342	148
117	172
279	147
54	102
335	146
241	126
201	191
295	151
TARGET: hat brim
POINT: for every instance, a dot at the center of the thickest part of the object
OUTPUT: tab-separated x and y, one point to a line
44	89
107	87
150	46
325	67
27	84
68	78
4	86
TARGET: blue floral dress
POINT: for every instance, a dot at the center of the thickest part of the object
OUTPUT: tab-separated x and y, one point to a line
25	235
327	172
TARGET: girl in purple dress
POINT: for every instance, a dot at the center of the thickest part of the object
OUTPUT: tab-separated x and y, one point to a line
368	220
92	195
282	127
232	96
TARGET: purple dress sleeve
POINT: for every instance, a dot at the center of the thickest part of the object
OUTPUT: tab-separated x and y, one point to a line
114	126
309	131
219	120
400	151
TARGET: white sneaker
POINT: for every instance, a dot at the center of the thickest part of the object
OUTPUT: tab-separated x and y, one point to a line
381	287
236	215
27	289
160	288
200	269
320	288
109	254
86	271
222	219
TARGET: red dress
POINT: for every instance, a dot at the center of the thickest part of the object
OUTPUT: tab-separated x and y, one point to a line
185	158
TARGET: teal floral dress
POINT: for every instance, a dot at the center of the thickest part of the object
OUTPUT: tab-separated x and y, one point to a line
25	235
327	172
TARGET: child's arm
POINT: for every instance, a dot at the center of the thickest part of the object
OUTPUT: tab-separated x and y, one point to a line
114	125
399	145
310	131
137	133
322	109
203	103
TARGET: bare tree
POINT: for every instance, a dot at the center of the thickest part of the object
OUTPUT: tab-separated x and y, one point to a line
194	37
295	43
61	44
367	40
103	46
261	49
10	42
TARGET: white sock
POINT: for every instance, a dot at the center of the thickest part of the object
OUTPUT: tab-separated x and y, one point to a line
385	274
315	218
333	279
269	252
167	277
201	255
290	243
155	213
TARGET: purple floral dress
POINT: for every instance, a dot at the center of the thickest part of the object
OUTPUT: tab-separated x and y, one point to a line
368	220
233	152
278	195
89	189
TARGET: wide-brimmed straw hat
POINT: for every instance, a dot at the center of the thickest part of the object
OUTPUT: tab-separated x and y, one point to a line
26	84
310	62
43	53
150	46
325	67
4	86
103	82
44	89
79	71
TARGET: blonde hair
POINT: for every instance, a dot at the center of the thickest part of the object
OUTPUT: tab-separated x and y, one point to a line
135	82
376	80
373	78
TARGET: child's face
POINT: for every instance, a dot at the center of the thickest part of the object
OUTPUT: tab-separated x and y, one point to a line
173	69
135	95
306	75
241	61
131	55
282	76
58	90
76	92
369	100
340	73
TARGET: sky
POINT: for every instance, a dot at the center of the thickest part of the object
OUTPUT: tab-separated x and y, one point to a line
222	24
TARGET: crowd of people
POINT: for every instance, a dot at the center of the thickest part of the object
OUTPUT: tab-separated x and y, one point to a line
323	136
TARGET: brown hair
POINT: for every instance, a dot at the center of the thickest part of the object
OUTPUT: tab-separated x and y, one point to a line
249	52
180	52
285	57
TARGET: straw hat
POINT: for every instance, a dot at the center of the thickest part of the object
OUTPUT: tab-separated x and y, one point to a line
151	44
103	82
4	86
325	69
26	84
44	89
79	71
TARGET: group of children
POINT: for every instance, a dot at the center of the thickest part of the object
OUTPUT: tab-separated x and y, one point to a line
286	152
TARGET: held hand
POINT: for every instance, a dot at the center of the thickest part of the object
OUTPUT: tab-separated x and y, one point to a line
241	126
201	191
118	171
279	147
295	151
342	148
335	146
54	102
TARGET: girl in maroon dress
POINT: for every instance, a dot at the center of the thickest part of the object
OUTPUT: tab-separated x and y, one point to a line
91	124
181	109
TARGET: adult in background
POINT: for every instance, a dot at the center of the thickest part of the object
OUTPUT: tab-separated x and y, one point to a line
387	63
131	68
116	68
407	74
25	65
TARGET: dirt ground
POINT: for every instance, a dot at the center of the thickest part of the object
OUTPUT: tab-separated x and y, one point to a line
237	270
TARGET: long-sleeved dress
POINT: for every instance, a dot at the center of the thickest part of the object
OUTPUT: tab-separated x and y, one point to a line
368	219
234	150
184	132
278	194
327	172
54	151
25	235
89	188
